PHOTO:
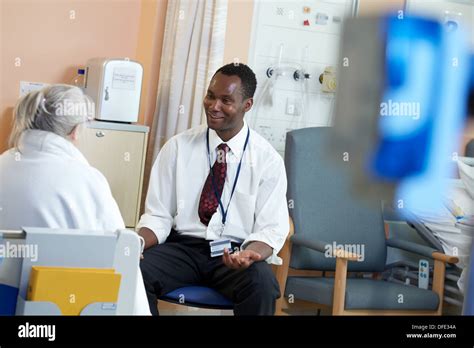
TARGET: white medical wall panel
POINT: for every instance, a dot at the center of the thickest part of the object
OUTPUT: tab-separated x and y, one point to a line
289	36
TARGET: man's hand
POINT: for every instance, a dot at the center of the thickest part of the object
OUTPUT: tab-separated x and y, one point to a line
240	259
149	238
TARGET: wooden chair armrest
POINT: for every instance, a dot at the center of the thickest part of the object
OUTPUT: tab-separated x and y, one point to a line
291	232
444	258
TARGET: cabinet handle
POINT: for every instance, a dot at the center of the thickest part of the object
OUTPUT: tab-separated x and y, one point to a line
100	134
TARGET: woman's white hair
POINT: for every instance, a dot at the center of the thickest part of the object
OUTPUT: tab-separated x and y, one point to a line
57	108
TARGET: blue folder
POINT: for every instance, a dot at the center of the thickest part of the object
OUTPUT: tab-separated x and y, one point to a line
8	297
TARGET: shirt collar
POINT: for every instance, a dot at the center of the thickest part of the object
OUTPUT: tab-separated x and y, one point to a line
236	144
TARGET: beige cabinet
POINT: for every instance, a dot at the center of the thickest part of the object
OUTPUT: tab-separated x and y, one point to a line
118	151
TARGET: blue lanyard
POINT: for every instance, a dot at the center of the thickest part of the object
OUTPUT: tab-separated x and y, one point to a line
216	192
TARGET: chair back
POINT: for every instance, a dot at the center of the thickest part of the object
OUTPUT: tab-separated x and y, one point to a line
323	206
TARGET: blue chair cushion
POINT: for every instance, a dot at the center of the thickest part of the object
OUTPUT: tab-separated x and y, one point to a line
198	296
363	294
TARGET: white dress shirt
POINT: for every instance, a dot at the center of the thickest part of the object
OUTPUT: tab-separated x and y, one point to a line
258	210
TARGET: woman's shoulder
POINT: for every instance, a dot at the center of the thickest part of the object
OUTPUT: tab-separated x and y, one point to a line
87	172
7	154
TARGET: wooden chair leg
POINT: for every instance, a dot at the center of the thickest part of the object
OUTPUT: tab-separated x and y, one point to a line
340	279
438	283
281	303
281	272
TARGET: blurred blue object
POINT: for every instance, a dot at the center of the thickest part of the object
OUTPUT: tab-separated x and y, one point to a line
427	76
472	73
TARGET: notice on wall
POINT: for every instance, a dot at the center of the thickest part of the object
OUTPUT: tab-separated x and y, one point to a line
124	78
27	87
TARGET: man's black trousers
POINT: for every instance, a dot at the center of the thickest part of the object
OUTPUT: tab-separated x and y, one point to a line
184	261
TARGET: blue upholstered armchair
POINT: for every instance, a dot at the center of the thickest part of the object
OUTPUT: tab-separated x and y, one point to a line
339	238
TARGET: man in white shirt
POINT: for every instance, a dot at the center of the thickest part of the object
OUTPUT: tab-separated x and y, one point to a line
215	182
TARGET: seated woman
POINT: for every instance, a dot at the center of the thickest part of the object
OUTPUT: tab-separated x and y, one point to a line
45	181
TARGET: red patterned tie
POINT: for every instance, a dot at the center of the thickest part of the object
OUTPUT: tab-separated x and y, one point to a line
208	203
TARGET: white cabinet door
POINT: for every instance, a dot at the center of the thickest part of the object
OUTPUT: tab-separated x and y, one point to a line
120	156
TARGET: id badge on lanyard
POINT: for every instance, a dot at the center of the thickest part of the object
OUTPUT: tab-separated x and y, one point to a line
218	246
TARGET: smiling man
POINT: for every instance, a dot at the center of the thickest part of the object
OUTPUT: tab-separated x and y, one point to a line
216	212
